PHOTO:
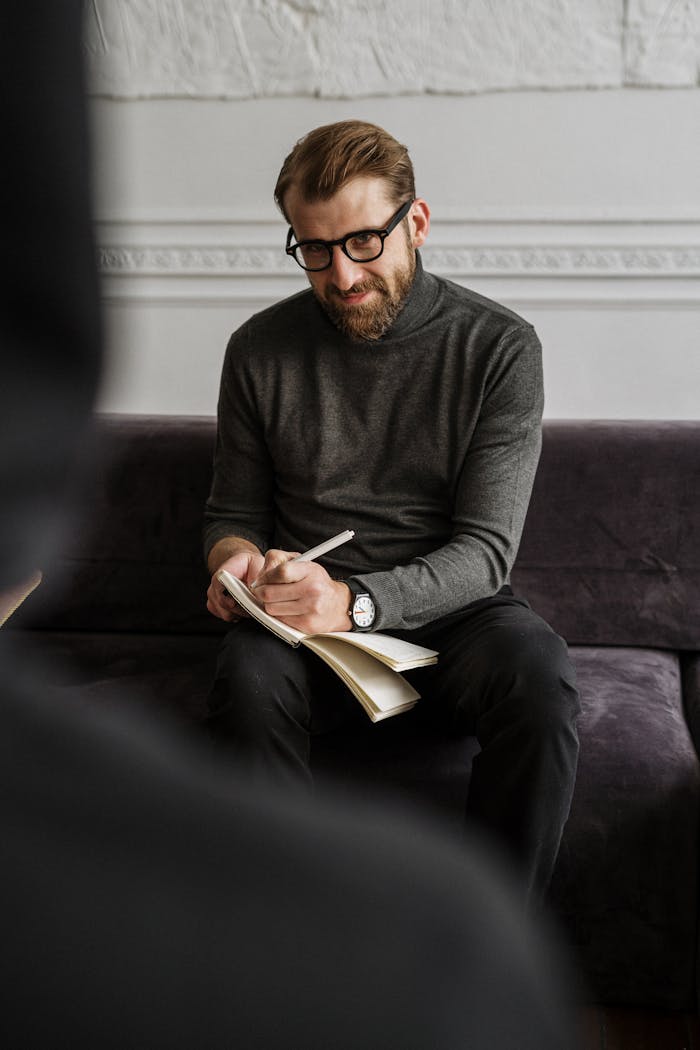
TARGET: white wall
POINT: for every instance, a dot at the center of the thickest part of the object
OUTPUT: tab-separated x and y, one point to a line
579	208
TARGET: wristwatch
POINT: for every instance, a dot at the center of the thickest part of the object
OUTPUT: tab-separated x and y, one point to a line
362	611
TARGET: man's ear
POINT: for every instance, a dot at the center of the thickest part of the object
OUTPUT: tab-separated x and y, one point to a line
419	222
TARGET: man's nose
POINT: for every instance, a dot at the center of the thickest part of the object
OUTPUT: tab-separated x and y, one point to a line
344	273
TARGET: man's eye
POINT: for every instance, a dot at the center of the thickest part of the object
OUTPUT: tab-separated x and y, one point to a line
314	249
364	245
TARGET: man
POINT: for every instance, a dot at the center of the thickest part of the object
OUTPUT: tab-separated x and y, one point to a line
395	403
148	899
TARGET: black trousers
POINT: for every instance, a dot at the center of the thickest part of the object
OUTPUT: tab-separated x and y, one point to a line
503	675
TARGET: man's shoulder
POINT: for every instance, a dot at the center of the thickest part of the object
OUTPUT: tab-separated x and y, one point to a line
276	330
474	306
299	308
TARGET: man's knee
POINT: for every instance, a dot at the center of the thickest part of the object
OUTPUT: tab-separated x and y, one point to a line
532	666
260	682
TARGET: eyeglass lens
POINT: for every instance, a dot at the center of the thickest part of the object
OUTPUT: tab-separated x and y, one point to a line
362	247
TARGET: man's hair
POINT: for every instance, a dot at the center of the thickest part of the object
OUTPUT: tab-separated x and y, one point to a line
330	156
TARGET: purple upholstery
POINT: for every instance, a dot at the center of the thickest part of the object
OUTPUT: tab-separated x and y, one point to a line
611	549
629	851
610	556
690	665
135	562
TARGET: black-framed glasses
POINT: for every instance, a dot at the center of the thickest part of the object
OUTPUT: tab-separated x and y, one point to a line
360	246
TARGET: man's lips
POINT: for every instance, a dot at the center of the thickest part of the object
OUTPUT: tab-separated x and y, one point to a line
354	297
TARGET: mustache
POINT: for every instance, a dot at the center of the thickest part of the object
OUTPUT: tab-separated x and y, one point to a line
374	284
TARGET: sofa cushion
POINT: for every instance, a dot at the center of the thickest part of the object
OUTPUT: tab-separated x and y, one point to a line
610	553
168	675
630	846
134	561
690	664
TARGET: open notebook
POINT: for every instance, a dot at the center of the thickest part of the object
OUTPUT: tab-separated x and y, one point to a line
369	664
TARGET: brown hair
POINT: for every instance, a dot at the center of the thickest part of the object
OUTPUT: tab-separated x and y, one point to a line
329	156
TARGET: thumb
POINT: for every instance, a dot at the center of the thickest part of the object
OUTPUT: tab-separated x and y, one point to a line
273	560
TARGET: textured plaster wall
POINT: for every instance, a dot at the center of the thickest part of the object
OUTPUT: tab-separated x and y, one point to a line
349	48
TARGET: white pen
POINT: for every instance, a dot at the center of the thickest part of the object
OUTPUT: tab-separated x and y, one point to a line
327	545
322	548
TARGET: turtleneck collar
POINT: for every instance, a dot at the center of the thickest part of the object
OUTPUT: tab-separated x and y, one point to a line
419	302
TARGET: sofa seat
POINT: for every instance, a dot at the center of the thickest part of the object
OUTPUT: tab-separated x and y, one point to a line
630	845
164	674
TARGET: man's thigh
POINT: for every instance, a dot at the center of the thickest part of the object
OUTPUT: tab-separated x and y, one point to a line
253	662
485	650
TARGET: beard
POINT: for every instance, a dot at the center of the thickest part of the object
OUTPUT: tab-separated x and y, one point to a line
370	320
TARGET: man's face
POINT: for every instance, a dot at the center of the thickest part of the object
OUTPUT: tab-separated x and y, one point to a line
362	299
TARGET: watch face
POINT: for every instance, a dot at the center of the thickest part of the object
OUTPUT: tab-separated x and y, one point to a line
363	611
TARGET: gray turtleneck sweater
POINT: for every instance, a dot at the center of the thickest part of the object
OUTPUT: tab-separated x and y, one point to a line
424	442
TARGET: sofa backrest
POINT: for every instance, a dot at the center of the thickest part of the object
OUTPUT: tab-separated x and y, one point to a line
134	561
610	553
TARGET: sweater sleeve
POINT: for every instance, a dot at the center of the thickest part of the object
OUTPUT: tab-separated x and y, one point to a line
240	502
490	503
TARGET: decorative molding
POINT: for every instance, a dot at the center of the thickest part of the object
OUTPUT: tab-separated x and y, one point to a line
563	258
242	49
210	261
208	254
570	261
463	261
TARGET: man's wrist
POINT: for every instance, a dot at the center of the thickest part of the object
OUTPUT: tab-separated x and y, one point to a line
346	600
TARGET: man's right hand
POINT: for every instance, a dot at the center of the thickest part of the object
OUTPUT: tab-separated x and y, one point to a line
245	565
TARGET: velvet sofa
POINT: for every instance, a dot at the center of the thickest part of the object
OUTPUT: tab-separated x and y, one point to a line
610	556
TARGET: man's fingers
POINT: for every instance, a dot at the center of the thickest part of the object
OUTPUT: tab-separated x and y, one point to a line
221	604
274	568
232	607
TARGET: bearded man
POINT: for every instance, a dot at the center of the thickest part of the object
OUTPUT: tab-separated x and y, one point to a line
398	404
